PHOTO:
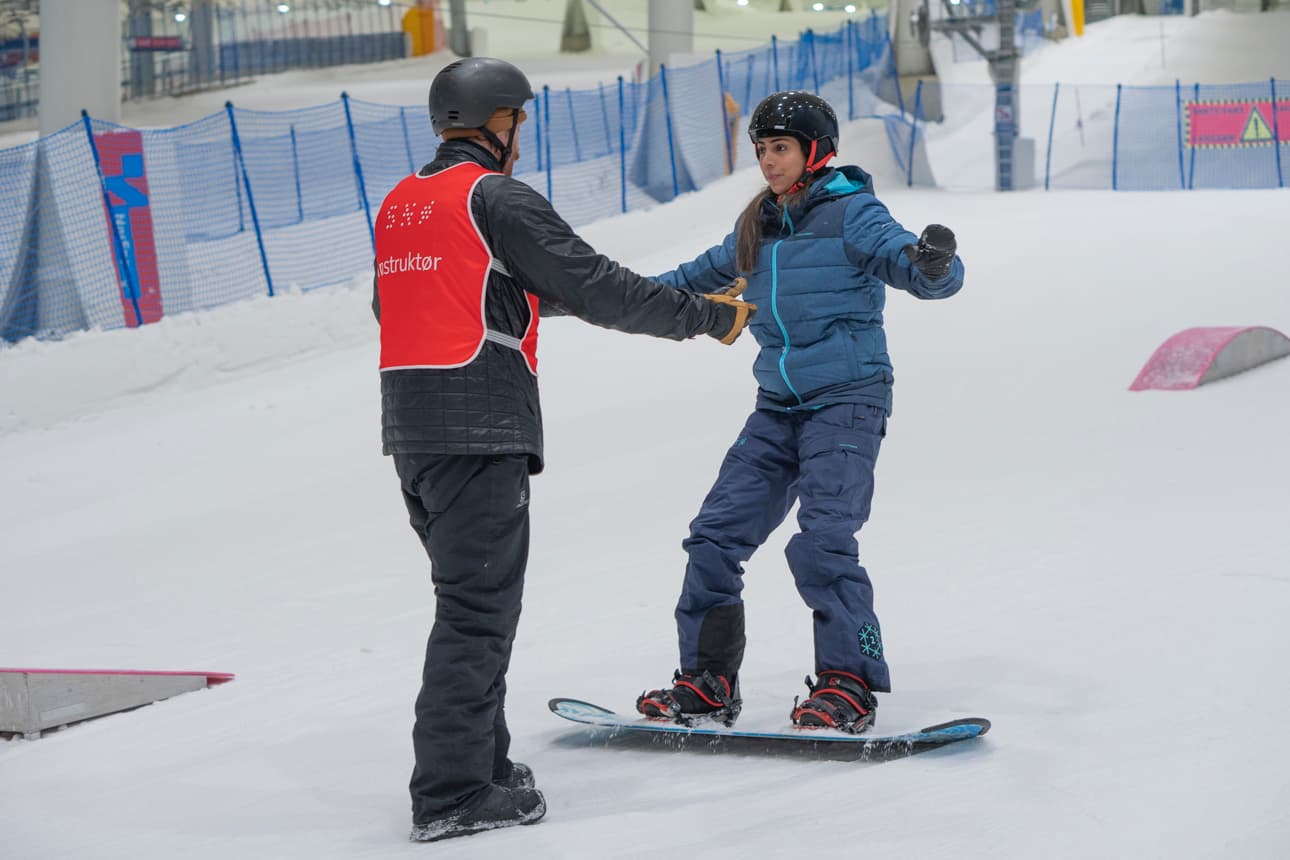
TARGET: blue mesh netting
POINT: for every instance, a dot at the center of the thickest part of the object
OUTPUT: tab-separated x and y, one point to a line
19	313
56	258
105	226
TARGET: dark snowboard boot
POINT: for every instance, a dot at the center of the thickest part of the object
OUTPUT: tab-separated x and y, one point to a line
838	700
694	697
521	776
494	807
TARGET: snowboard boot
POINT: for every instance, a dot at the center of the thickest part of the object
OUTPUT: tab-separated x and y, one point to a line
695	697
521	776
494	807
838	700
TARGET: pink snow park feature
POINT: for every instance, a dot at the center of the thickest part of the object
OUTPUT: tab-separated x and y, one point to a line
1196	356
33	701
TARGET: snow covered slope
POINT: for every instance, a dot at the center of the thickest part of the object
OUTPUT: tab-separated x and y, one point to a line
1101	573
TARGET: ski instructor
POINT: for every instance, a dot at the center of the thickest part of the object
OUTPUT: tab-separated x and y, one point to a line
467	258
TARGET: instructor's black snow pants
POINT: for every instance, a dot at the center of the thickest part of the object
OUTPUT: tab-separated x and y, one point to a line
472	514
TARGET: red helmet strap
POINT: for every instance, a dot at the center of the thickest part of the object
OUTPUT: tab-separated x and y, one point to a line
812	166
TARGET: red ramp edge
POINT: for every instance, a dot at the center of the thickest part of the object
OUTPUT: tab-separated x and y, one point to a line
1196	356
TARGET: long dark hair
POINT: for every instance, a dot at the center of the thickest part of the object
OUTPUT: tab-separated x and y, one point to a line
748	233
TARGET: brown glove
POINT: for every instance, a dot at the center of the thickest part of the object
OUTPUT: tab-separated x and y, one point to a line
733	315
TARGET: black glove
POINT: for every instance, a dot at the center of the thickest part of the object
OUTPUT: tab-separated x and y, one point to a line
934	253
732	314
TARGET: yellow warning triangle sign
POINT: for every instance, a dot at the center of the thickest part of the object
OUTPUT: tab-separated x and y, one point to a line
1256	128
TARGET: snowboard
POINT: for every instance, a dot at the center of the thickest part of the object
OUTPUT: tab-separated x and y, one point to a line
792	741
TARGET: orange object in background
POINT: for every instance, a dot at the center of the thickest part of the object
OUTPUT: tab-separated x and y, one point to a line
421	22
732	128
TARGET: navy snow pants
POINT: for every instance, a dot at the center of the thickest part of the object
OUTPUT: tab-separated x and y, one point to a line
824	459
472	514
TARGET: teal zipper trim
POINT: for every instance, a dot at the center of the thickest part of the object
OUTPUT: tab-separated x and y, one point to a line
774	307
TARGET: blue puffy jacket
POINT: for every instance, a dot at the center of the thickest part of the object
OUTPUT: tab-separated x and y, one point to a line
819	288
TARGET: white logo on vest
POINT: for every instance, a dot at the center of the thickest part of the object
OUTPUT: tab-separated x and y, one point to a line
409	262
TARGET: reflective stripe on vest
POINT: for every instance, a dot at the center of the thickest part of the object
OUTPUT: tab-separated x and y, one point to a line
432	267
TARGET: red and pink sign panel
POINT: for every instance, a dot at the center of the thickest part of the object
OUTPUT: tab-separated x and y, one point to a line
130	225
1237	123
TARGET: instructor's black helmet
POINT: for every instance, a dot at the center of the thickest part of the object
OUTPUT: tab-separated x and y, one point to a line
801	115
465	93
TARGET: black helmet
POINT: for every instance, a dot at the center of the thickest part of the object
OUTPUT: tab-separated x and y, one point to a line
465	93
802	115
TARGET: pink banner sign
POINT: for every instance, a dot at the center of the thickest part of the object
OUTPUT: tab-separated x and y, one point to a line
1237	123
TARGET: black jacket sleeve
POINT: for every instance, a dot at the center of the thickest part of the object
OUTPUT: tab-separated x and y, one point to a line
376	296
549	260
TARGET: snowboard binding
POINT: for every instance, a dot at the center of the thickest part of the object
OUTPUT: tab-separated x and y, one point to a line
695	698
838	700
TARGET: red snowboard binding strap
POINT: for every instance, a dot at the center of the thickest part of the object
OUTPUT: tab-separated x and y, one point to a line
838	700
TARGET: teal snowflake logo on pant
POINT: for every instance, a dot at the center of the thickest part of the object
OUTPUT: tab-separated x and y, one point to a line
871	641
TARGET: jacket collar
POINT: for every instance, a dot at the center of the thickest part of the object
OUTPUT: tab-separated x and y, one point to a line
830	184
452	152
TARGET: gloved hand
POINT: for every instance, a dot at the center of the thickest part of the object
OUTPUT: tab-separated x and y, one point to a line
733	314
934	253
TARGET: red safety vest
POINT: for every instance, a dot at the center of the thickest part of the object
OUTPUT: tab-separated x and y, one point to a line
432	267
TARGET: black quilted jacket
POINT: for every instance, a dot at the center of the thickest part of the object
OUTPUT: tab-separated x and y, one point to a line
490	406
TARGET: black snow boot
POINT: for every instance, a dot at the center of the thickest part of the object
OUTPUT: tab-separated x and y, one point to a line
695	697
521	776
495	807
838	700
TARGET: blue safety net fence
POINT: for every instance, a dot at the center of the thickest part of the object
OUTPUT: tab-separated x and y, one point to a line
103	226
1114	137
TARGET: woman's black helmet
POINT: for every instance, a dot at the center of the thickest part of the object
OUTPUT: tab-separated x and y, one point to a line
465	93
802	115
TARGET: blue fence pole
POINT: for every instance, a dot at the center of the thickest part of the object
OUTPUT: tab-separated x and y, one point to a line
815	71
1182	175
774	60
539	132
913	131
848	40
126	278
546	114
667	115
295	170
1276	134
622	141
573	126
407	140
1191	167
748	88
237	188
358	170
1115	141
725	115
1052	119
250	200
